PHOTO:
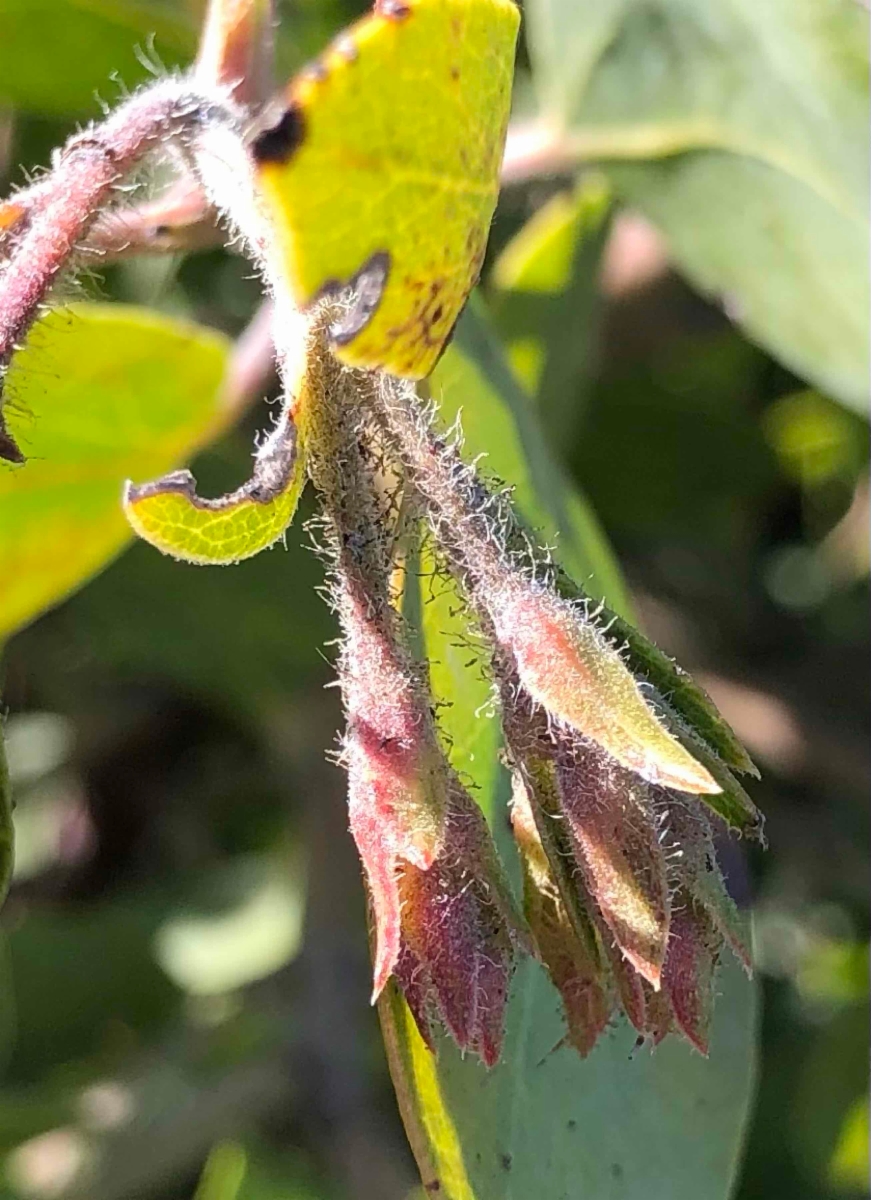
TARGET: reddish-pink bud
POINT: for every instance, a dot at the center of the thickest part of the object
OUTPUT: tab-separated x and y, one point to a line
688	974
459	933
612	828
443	919
396	799
571	954
693	862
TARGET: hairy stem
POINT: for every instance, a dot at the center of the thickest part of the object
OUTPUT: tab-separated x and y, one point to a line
63	206
472	524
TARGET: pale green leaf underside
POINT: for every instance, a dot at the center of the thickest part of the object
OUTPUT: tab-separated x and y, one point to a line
619	1125
99	394
741	129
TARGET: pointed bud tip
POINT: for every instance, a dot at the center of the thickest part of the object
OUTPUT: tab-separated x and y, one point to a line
568	667
683	774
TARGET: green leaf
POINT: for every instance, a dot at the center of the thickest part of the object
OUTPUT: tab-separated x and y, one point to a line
54	54
7	830
741	130
547	304
98	394
169	515
545	1122
383	121
473	381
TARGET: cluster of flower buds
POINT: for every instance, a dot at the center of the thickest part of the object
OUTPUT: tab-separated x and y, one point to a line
444	923
615	788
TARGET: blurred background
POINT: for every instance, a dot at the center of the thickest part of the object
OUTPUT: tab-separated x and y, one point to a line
183	972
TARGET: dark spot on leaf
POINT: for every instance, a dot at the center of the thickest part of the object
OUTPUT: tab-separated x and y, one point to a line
616	1171
437	313
455	73
433	1186
396	10
505	1162
571	1124
9	448
278	143
365	290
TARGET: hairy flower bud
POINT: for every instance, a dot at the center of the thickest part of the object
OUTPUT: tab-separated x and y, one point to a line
613	832
398	779
443	919
622	890
687	839
572	671
688	975
459	934
565	939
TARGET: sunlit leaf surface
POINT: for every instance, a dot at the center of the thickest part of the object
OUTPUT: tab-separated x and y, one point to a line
98	394
172	517
383	170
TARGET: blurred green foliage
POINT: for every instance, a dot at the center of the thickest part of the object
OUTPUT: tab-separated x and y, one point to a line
167	724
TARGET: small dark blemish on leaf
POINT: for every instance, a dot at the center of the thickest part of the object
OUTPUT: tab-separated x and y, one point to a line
10	451
505	1161
366	288
616	1171
571	1124
455	73
433	1186
278	143
395	10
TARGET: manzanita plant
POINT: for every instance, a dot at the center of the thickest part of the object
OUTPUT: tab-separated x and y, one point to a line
369	238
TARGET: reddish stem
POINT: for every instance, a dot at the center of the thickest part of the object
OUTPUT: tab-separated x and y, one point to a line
68	200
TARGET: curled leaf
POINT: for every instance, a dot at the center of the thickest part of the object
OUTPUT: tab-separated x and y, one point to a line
381	170
170	515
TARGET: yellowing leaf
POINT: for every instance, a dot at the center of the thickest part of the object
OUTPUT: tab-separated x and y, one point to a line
172	517
97	394
382	172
